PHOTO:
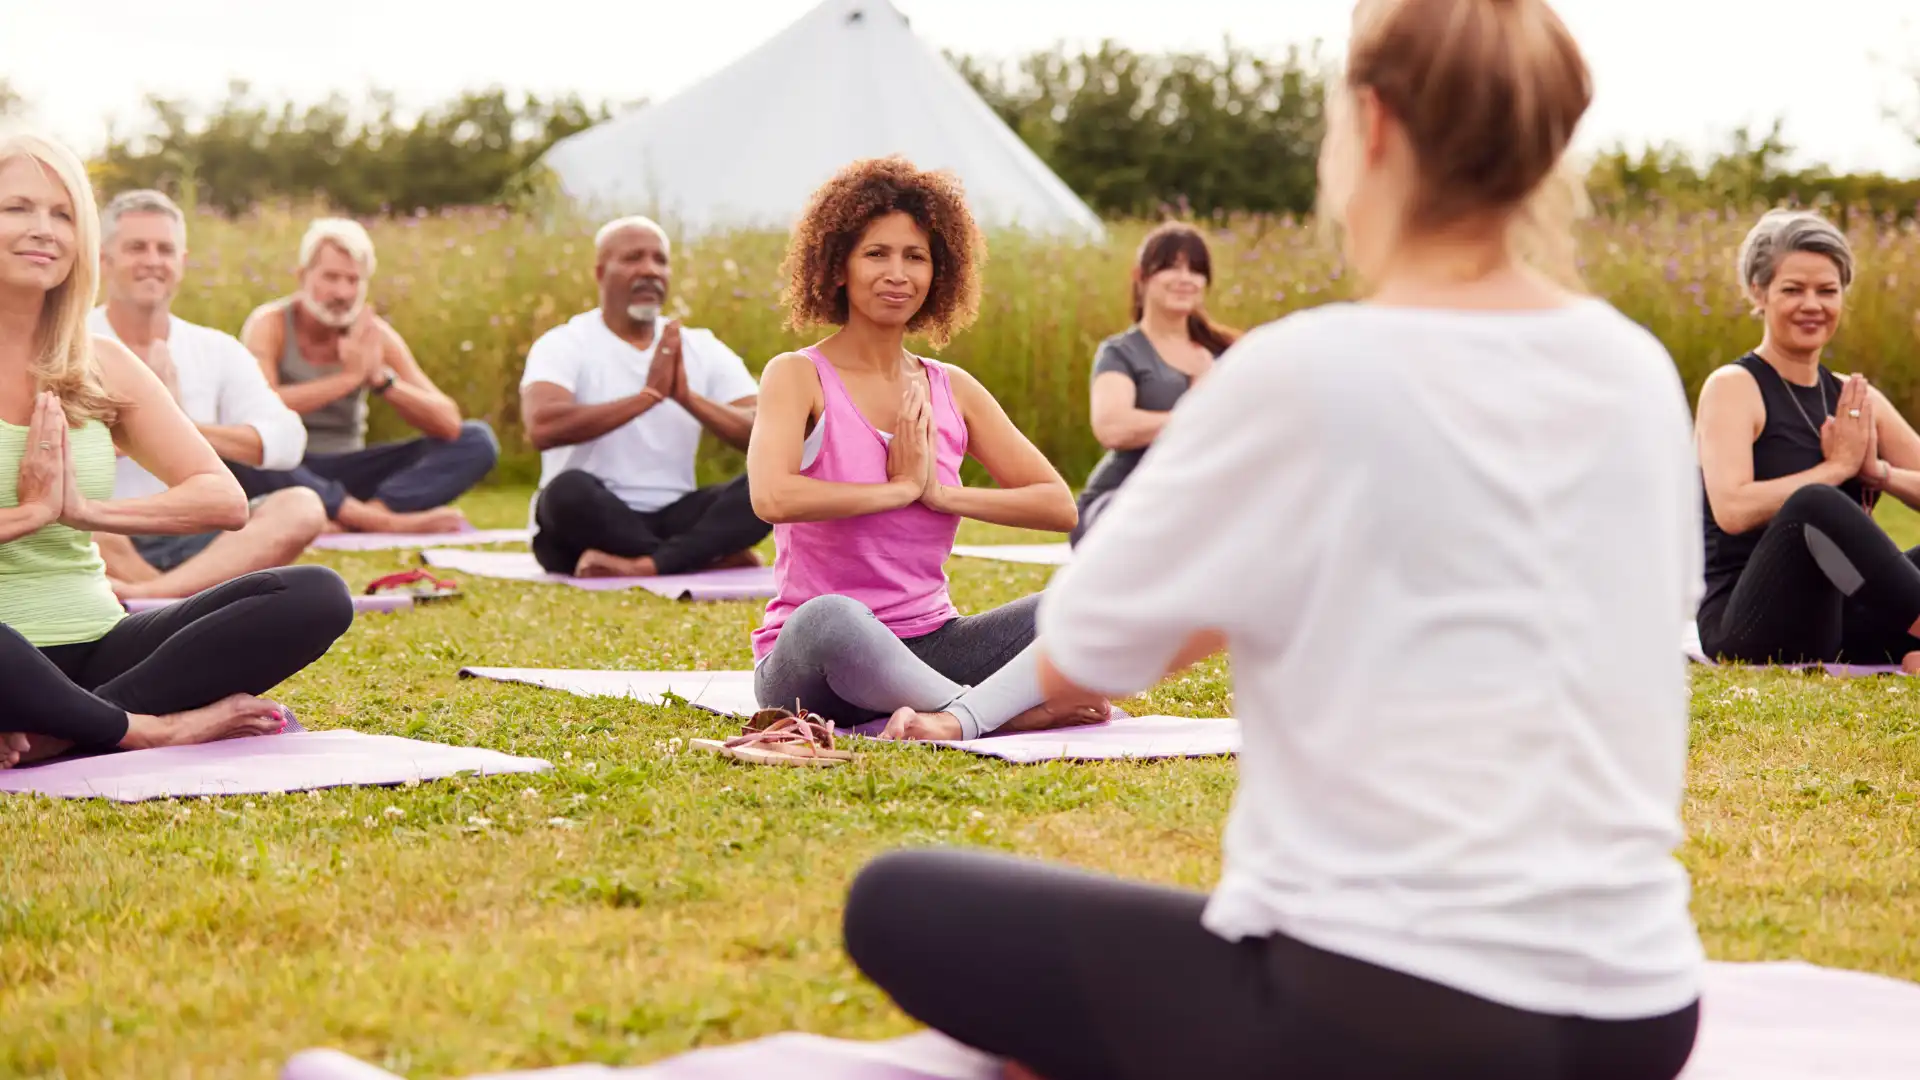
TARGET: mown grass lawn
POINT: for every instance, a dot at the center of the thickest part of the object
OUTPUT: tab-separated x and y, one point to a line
638	901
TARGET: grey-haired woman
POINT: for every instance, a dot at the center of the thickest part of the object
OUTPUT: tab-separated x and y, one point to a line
1794	458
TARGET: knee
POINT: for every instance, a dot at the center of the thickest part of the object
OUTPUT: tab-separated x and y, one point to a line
883	904
319	597
479	441
1818	503
824	625
565	496
297	514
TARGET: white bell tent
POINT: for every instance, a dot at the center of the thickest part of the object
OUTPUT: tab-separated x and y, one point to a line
748	144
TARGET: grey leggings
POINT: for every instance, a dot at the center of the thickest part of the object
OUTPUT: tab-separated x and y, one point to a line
834	658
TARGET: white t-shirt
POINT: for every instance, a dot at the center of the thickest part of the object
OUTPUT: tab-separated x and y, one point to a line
220	383
648	461
1450	551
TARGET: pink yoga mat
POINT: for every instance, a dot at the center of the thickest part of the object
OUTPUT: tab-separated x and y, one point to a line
260	765
352	541
1775	1021
730	693
751	583
363	604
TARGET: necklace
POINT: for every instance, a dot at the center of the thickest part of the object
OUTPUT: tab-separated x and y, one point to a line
1795	398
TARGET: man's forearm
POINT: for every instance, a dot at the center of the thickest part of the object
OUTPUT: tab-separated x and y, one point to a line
427	411
305	397
732	424
235	442
569	425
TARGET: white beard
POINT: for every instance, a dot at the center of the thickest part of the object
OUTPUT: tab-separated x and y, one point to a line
645	313
325	316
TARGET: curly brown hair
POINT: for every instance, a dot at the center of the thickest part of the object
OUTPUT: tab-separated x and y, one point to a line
838	214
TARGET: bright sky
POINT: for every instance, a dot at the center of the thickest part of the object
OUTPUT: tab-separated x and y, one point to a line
1684	70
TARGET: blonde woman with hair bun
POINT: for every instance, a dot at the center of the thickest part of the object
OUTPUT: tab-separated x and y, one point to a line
80	672
1446	534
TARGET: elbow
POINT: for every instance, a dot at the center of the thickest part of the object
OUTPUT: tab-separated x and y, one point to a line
226	508
1062	515
1110	437
542	438
769	508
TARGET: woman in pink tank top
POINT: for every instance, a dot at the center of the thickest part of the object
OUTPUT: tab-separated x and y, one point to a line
855	461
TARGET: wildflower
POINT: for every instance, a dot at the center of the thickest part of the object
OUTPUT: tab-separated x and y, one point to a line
394	812
479	822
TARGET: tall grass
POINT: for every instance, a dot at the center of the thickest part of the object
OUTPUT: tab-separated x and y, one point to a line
471	290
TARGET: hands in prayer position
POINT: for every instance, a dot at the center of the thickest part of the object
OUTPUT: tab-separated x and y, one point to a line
49	483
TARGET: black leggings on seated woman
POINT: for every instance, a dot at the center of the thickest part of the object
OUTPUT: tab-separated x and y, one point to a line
1824	583
243	637
1081	977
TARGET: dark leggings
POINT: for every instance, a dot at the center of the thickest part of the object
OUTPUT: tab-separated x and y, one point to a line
243	637
576	512
1825	583
1081	977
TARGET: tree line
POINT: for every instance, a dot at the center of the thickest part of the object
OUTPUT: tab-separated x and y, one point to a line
1136	134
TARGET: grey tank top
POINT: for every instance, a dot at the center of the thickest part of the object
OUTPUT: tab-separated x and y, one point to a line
1158	386
338	427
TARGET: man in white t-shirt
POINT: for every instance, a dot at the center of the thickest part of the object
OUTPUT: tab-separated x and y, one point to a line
214	378
616	399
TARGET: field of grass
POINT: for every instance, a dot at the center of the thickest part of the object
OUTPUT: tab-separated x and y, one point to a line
640	900
471	290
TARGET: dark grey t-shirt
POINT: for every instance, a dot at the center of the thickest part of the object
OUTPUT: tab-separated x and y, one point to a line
1157	385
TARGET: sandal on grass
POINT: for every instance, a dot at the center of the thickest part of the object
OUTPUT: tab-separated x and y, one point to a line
777	737
418	584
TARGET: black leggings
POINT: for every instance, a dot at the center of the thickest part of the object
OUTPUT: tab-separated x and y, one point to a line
1825	583
576	512
243	637
1081	977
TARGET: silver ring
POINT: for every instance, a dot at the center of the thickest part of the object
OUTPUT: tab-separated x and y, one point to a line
1855	413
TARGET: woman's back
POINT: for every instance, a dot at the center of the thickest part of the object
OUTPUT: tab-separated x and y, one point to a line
1452	552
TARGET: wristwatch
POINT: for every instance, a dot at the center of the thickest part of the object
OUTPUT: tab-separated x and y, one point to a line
386	384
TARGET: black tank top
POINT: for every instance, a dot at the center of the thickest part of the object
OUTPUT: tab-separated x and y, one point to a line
1789	443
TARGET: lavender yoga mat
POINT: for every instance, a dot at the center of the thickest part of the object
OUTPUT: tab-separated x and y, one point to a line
1039	554
352	541
751	583
1772	1021
362	604
730	693
1690	644
260	765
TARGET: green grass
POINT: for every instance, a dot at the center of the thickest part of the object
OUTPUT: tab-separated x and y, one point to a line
638	901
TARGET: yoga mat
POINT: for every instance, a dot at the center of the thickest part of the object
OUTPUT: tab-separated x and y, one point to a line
730	693
352	541
1770	1021
1040	554
749	583
361	604
259	765
1690	644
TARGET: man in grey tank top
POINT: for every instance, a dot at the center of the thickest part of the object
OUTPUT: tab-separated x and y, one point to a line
324	351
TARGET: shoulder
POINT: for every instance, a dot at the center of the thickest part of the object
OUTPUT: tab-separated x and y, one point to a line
1120	350
962	381
116	362
388	334
265	322
793	368
1730	383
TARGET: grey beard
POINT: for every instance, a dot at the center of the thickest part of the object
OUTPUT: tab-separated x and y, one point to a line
325	317
645	313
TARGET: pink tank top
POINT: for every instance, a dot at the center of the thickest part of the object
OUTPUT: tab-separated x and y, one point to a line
894	562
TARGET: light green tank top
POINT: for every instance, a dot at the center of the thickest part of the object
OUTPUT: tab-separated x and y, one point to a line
53	585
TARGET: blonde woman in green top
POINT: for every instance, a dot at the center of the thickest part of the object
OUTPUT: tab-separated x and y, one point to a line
78	671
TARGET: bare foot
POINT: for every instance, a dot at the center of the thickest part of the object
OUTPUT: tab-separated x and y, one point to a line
231	717
600	564
739	560
1049	715
907	724
1910	664
12	746
440	519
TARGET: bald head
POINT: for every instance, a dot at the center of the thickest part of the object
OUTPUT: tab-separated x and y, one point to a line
631	263
612	230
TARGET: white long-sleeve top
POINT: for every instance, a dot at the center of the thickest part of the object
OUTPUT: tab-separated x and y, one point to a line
1448	551
220	383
